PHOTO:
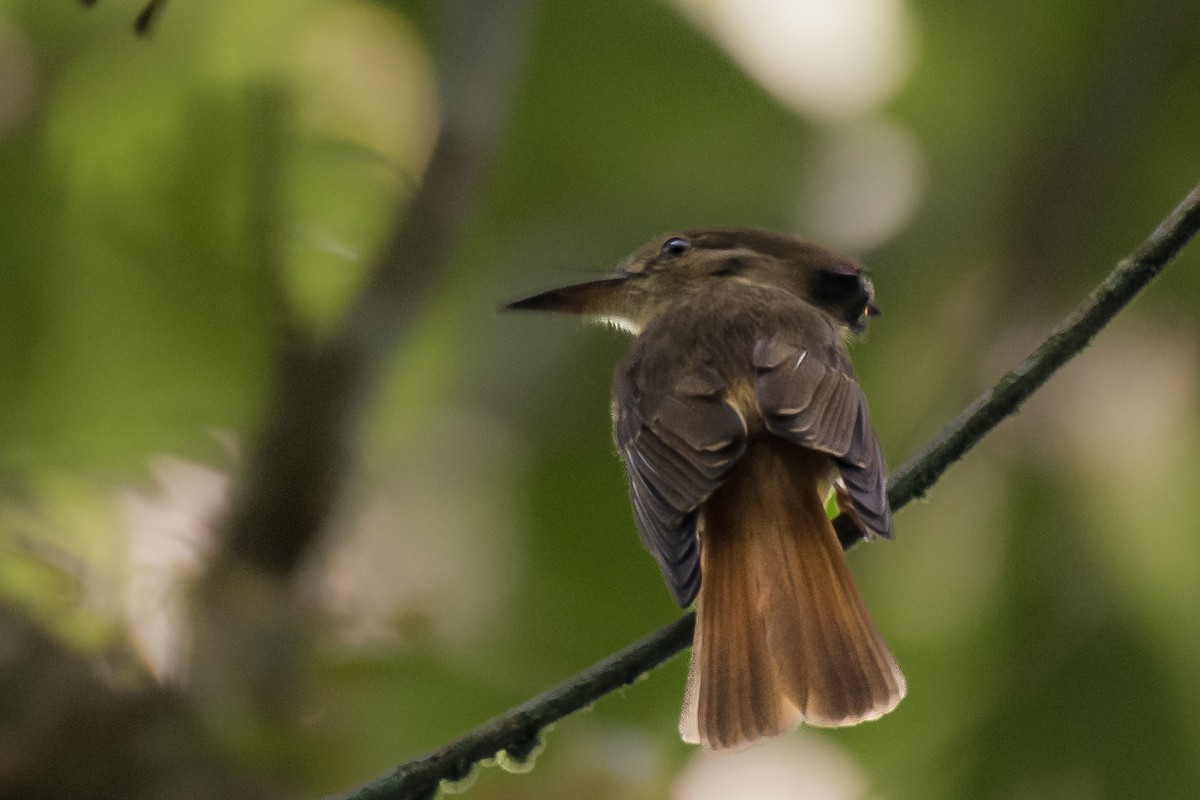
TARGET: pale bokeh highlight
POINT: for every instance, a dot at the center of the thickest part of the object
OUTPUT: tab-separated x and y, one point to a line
169	540
803	766
832	59
864	183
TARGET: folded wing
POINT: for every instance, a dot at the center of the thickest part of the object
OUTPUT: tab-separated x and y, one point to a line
677	443
811	398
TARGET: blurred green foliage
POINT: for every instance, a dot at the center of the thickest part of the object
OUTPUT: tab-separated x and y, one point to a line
167	204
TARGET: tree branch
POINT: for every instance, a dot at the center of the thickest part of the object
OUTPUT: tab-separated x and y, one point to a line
515	735
1064	343
292	472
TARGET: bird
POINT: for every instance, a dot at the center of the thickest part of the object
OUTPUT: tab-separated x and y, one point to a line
738	418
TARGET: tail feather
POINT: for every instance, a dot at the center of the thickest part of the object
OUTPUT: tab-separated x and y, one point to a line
729	653
782	634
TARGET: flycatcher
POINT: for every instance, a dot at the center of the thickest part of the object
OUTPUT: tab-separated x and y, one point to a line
737	413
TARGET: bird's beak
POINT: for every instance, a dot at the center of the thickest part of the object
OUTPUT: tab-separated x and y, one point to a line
596	297
873	310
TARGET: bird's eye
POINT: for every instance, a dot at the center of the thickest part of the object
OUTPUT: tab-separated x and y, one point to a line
675	247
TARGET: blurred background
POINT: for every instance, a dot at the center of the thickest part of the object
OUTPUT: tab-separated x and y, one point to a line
177	211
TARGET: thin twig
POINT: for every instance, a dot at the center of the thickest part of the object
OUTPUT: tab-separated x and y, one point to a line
1066	341
516	733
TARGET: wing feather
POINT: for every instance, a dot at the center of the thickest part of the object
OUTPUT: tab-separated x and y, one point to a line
811	398
677	445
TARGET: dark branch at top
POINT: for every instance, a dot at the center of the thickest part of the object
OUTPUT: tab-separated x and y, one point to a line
148	16
516	733
145	18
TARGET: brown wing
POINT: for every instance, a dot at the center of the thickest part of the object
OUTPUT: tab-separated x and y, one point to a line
811	398
677	442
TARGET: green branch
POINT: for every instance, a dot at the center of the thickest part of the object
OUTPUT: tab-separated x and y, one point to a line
294	469
516	734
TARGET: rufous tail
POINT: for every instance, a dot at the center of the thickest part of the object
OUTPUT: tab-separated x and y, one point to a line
782	634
